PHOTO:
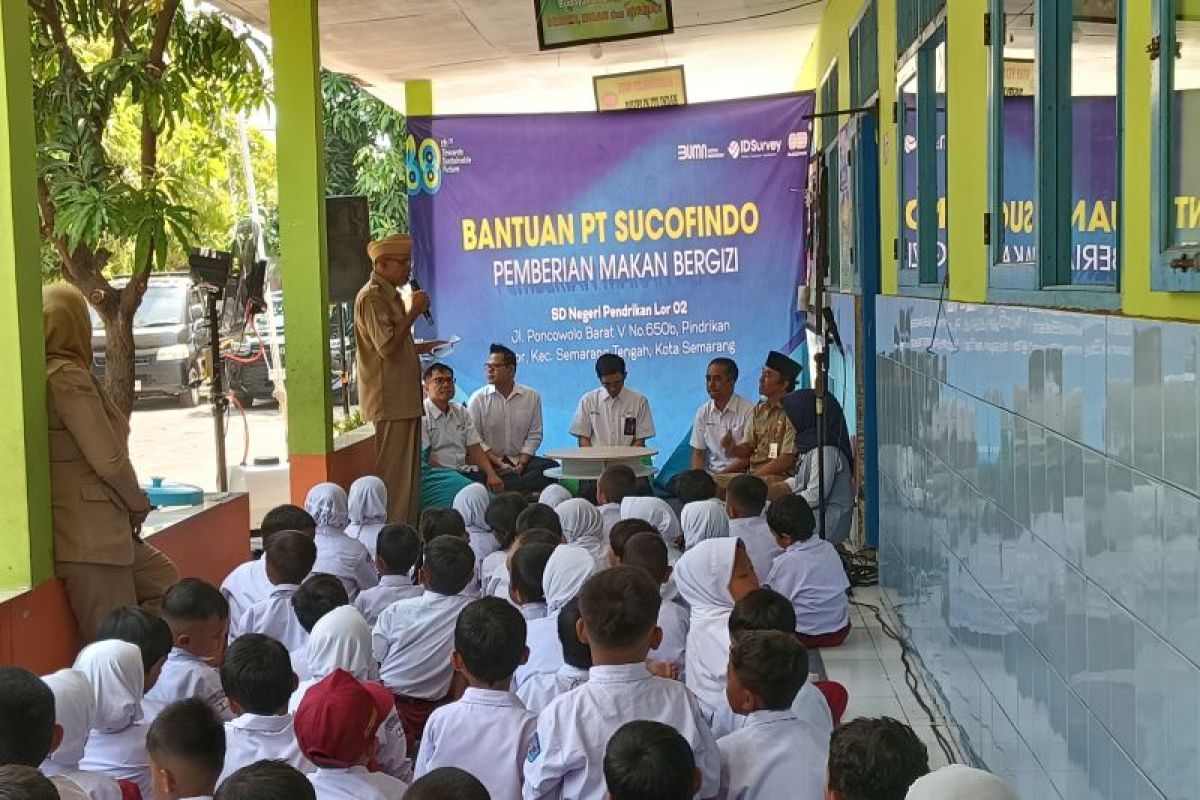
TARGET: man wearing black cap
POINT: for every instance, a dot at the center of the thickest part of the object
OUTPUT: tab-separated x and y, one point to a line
770	440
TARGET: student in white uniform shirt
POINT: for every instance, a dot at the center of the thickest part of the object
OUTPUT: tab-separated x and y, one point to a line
487	732
447	783
151	635
367	507
472	502
289	557
413	639
720	423
701	520
336	727
258	679
198	616
648	552
447	431
616	483
621	533
399	548
337	553
554	494
658	513
583	526
248	583
745	500
186	743
540	515
317	596
775	754
619	608
566	571
613	415
648	760
501	516
28	731
266	780
882	754
342	640
537	692
74	710
809	572
116	746
711	577
526	575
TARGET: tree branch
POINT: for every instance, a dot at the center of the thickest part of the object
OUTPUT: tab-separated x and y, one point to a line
47	11
155	66
121	41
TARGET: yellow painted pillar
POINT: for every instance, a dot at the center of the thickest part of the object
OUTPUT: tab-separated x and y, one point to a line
418	98
967	149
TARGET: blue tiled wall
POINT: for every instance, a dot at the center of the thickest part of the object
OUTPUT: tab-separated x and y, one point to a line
1040	536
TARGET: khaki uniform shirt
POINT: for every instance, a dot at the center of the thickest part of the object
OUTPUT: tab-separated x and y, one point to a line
389	372
770	433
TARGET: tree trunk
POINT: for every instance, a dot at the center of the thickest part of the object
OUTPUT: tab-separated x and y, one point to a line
119	354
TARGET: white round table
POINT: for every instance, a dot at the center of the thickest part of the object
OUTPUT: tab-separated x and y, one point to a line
589	463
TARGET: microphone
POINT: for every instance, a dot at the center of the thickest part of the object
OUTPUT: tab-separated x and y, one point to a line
416	287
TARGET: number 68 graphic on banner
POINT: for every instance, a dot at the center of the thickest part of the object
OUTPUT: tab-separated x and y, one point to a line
423	166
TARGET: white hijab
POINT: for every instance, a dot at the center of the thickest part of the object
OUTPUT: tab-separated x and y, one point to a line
583	526
74	711
342	640
554	494
472	502
702	575
703	519
367	510
655	511
565	574
114	670
327	504
957	782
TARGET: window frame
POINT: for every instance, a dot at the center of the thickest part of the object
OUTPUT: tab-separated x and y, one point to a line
830	128
1047	281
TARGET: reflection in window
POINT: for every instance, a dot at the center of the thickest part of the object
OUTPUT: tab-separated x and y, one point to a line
909	251
1018	162
939	106
1184	206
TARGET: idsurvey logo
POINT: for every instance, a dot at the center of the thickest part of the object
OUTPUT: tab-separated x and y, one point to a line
754	148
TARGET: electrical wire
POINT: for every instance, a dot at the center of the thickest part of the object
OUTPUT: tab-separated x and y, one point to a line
245	425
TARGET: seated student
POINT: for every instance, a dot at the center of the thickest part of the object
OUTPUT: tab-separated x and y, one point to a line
290	557
619	607
447	783
621	533
693	486
413	639
336	726
956	782
540	515
74	710
342	640
28	732
537	692
775	754
398	548
647	760
566	571
198	615
768	610
248	583
874	759
186	743
809	572
537	536
647	551
18	782
116	747
501	516
337	553
703	519
744	502
316	597
266	780
711	577
554	494
528	571
489	643
472	503
583	526
149	633
616	483
656	511
258	679
437	522
368	508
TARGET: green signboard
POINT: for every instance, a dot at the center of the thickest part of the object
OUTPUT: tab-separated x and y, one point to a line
565	23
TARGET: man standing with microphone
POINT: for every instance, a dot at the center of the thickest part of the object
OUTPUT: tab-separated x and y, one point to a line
389	372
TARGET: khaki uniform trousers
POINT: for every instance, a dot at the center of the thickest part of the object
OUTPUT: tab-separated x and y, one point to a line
398	465
722	480
94	590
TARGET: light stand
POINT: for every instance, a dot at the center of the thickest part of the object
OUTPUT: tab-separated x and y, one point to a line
210	273
818	230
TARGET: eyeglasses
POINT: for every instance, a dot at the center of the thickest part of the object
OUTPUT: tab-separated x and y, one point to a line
442	380
491	366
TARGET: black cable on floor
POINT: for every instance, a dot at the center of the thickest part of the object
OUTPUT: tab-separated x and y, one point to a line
910	678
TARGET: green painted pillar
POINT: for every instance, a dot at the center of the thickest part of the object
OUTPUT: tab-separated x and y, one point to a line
418	98
26	541
301	165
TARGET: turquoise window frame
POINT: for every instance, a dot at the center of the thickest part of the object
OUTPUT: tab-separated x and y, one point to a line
829	145
924	61
1047	282
864	56
1163	277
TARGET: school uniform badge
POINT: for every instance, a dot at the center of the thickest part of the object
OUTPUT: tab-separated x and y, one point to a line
535	749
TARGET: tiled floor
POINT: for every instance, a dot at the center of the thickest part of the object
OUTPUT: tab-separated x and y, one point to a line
869	666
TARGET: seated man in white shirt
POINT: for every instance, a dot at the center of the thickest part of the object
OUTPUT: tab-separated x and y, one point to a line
720	423
508	418
614	414
448	432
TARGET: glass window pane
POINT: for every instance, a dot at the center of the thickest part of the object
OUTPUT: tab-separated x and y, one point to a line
1095	62
909	254
1017	152
943	251
1184	154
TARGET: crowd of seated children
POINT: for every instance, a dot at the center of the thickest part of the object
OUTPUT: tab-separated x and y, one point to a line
566	570
648	552
289	558
248	583
538	690
337	553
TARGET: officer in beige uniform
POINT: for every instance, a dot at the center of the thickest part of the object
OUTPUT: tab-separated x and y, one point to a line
769	440
96	503
389	372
